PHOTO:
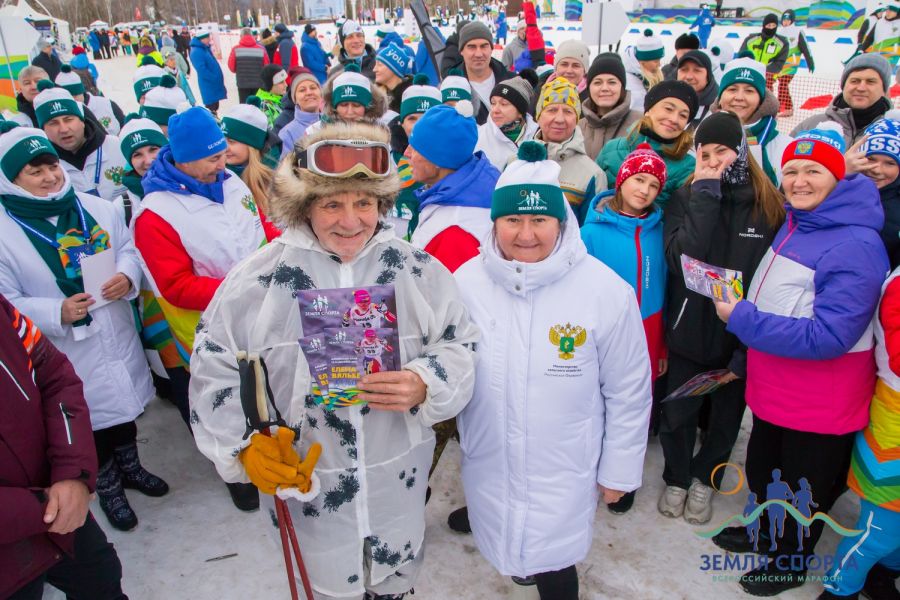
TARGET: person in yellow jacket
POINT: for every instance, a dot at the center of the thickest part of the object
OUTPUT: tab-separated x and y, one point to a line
146	47
769	48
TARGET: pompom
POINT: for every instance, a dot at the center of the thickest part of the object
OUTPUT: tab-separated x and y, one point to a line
455	72
254	100
7	126
648	33
421	79
66	68
45	84
183	107
893	114
131	117
351	68
167	81
149	60
644	146
532	151
465	108
531	76
716	51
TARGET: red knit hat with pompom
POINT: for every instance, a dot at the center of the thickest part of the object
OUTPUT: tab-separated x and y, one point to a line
642	160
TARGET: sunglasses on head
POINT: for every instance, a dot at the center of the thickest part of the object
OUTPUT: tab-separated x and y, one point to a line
346	158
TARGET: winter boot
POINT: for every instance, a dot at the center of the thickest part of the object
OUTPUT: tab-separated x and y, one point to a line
245	496
135	476
458	520
735	539
880	584
112	497
623	504
768	581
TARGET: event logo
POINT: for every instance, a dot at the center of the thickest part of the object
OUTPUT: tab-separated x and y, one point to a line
744	74
424	105
34	145
566	338
531	200
137	138
452	95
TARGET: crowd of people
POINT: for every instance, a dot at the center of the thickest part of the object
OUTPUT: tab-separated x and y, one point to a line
531	220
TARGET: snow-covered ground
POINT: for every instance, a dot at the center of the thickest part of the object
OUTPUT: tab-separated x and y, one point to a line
173	553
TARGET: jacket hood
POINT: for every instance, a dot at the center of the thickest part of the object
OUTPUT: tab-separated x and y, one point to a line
285	35
855	201
247	41
196	43
391	38
471	185
709	94
623	222
561	151
268	40
80	61
368	55
630	61
519	278
618	113
375	111
307	39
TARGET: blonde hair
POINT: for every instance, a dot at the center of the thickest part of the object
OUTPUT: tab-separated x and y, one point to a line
258	178
651	77
676	149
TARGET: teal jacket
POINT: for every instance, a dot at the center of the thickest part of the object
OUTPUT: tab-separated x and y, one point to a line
614	152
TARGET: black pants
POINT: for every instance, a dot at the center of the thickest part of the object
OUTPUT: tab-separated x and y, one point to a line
678	427
244	92
94	573
214	107
180	380
107	440
823	460
558	585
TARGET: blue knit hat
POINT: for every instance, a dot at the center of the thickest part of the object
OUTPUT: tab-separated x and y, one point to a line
883	137
446	135
394	58
194	134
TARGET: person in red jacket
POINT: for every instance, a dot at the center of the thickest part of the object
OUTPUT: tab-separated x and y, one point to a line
48	469
246	61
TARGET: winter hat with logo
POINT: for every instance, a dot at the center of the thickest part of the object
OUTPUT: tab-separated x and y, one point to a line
517	92
137	133
687	41
649	47
145	79
351	86
446	135
883	137
348	28
298	75
824	145
419	97
869	61
744	70
529	186
54	102
673	89
19	146
69	81
559	91
474	30
163	101
607	63
394	58
455	87
194	135
722	128
246	123
272	75
574	49
202	35
642	160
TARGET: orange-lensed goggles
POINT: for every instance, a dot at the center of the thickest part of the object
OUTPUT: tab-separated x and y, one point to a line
346	158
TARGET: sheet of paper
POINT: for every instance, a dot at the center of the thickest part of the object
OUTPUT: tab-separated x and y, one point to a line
96	270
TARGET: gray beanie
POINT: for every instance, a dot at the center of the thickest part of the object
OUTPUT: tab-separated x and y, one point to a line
869	61
517	91
476	30
574	49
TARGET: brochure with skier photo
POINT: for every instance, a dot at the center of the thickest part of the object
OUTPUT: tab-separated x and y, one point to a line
370	306
709	280
699	385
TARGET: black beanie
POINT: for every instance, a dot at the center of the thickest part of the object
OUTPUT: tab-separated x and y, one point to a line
770	19
698	57
607	63
720	128
687	41
517	91
268	74
673	89
309	28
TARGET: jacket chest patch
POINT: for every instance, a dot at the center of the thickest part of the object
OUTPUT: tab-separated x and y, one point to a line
566	341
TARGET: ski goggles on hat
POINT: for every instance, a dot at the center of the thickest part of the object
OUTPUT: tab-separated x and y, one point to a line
346	158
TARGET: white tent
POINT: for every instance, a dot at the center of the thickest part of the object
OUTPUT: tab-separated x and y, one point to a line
24	10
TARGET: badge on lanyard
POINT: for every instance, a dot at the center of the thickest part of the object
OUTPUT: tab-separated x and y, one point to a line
75	254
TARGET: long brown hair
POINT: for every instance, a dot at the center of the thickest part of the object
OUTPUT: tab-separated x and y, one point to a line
676	149
768	201
258	178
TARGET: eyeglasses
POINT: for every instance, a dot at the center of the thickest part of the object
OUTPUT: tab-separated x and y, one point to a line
346	158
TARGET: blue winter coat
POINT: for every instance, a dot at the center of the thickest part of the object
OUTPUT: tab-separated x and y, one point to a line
209	73
502	25
94	39
423	62
314	57
81	61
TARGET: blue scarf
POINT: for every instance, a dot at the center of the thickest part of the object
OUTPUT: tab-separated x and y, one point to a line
164	176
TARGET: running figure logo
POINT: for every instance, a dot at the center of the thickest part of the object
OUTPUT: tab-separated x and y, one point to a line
365	313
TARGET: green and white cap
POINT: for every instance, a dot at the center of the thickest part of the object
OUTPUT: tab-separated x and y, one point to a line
351	86
163	101
649	47
246	123
54	102
745	70
145	79
19	146
137	133
455	87
384	29
69	81
419	97
529	186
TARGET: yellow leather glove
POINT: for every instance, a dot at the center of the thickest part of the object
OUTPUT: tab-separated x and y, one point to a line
265	467
289	456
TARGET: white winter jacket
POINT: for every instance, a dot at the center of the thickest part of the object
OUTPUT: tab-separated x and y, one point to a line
374	464
499	148
108	179
107	354
561	403
634	81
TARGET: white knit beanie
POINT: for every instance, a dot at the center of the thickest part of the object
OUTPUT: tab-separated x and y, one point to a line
419	97
649	47
69	81
55	102
455	87
247	124
145	79
163	101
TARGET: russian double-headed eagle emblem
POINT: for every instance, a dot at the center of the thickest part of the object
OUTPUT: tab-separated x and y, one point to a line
567	337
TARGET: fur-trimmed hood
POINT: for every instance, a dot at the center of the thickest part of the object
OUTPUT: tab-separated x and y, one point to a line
294	189
377	109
